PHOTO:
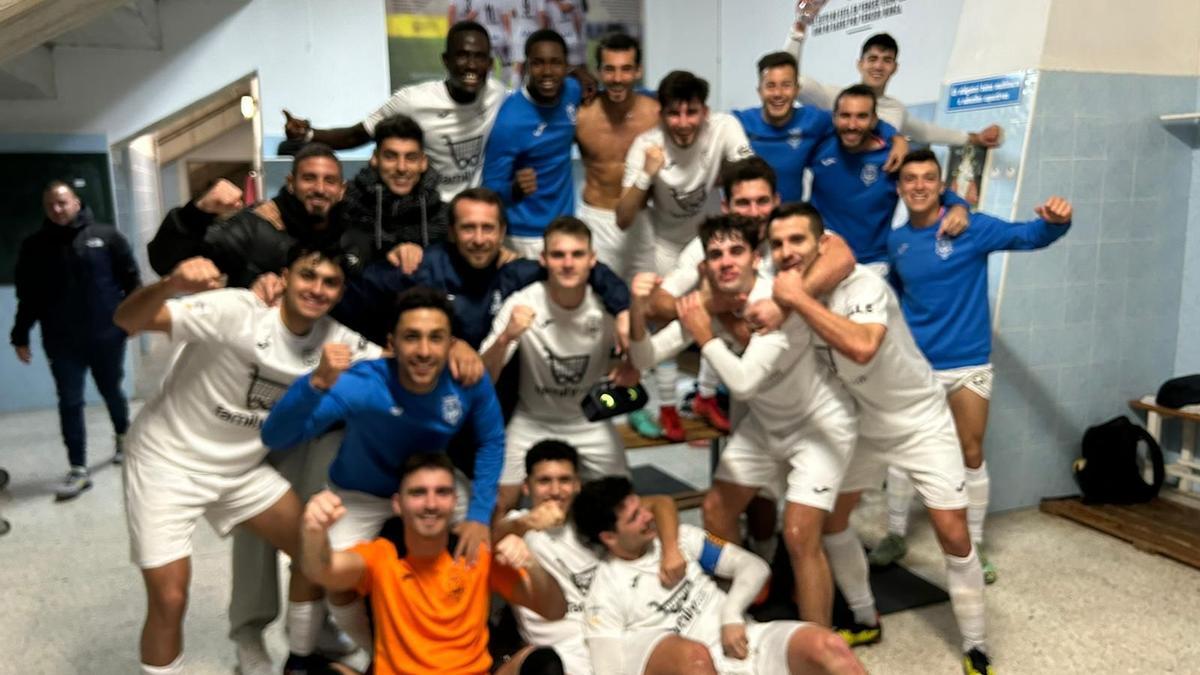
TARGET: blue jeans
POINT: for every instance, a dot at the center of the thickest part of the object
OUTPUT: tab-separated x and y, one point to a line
107	363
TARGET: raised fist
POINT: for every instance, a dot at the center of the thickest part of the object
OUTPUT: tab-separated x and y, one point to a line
195	275
222	199
655	159
643	285
323	510
294	127
522	317
1056	211
335	359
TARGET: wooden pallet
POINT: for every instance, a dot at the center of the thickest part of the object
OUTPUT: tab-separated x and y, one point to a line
1160	526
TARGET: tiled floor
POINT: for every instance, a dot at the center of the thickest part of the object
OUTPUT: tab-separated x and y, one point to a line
1069	600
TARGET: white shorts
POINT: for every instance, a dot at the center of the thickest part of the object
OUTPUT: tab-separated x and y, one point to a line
526	247
666	255
601	452
976	378
366	513
813	459
768	649
164	501
931	458
880	267
626	252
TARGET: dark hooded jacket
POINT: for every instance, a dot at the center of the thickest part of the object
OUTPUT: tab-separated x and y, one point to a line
249	243
71	278
375	220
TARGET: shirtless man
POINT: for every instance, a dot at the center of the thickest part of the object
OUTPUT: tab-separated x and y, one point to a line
604	130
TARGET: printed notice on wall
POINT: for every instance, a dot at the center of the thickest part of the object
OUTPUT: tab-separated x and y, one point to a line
989	92
856	17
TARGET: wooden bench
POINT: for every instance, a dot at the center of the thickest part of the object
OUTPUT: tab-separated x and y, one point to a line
694	430
1186	469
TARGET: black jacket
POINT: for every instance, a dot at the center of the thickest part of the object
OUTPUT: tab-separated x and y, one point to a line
71	278
249	243
375	220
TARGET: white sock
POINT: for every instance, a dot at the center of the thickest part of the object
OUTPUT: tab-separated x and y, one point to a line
304	622
899	500
848	563
173	668
666	373
352	619
977	501
707	380
964	576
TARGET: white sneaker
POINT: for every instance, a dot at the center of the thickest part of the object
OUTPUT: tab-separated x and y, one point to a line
252	657
73	485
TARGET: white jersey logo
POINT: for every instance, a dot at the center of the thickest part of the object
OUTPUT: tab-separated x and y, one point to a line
690	201
944	247
829	161
869	174
466	153
572	111
451	409
94	242
541	129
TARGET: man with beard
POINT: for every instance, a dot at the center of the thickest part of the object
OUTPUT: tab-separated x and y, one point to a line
456	114
798	422
392	208
430	610
877	64
256	240
785	134
904	421
670	173
605	130
194	450
852	187
71	274
528	156
394	408
551	483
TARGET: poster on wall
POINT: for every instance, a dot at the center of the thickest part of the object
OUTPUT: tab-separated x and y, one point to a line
965	172
417	29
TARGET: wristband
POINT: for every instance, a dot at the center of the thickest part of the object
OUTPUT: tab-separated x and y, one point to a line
642	181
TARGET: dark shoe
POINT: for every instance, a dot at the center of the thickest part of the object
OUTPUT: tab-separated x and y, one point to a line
119	449
976	662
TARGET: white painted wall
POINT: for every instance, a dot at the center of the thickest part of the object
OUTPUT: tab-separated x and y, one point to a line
721	40
1161	37
325	60
998	37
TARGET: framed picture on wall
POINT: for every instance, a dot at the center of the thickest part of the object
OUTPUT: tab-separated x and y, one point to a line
965	171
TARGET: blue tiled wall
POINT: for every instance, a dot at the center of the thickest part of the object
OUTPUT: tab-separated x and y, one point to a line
1094	320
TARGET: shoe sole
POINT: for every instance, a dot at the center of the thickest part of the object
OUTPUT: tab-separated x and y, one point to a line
67	498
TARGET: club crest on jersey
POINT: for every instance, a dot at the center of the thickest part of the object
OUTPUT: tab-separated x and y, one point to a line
869	174
943	247
583	580
567	369
690	201
497	301
592	325
466	153
263	393
572	112
795	138
451	409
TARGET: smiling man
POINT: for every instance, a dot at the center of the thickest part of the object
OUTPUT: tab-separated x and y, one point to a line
670	175
799	423
392	207
246	243
606	128
456	113
394	408
528	157
194	451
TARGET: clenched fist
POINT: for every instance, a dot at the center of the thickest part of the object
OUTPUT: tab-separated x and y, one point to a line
222	199
323	510
1056	211
335	359
521	319
655	160
195	275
